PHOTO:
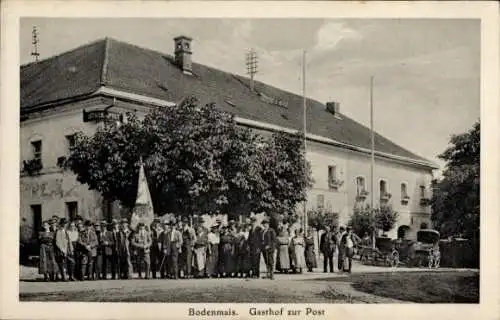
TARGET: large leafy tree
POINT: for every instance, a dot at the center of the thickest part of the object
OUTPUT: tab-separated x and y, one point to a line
197	160
455	201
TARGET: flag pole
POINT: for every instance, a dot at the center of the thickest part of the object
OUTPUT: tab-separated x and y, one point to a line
372	163
304	102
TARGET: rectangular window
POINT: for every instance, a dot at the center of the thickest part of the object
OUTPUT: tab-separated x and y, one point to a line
404	191
332	173
422	192
360	185
320	201
383	187
70	141
36	217
36	147
71	209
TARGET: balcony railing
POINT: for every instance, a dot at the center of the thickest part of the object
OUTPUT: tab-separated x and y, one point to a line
425	202
405	199
33	166
362	195
385	196
335	183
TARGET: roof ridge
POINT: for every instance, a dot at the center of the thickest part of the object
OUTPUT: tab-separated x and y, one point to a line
104	70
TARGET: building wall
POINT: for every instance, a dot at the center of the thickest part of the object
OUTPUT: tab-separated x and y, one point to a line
53	188
349	166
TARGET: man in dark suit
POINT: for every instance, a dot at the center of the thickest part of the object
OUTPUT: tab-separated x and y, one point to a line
107	243
327	247
88	241
255	245
268	247
123	251
171	246
155	252
115	246
188	240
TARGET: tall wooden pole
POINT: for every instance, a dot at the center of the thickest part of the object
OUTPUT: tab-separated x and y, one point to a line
372	164
304	102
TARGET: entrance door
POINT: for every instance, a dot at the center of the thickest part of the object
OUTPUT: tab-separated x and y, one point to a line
36	218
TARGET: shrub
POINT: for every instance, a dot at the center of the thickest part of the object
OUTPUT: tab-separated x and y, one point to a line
320	218
362	220
385	218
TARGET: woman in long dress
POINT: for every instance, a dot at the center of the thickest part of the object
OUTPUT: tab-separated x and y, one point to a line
298	244
200	252
226	253
283	259
309	251
291	250
213	252
47	264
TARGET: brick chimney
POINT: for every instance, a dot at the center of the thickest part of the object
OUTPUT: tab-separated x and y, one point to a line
183	54
333	107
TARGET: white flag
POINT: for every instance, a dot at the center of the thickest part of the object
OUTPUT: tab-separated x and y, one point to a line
143	209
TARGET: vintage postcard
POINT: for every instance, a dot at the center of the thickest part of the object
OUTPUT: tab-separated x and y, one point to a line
249	160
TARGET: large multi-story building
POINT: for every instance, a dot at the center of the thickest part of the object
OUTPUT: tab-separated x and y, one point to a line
75	90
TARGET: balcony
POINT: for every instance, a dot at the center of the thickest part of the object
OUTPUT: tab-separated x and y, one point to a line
385	196
425	202
32	167
362	195
335	183
405	200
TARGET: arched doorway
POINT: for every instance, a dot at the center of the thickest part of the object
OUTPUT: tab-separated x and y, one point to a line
403	232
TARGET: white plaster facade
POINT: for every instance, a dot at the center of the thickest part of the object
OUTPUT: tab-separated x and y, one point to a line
53	188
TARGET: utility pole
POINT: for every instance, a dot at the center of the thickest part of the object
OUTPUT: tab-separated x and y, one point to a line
251	62
35	54
372	164
304	103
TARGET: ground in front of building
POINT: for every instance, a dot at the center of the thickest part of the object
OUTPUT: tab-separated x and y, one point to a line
367	284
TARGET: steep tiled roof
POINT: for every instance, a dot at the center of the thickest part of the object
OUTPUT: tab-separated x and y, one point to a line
133	69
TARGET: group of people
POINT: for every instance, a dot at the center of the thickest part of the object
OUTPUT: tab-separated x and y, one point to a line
82	250
340	245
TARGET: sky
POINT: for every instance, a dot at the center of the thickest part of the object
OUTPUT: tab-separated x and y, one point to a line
426	71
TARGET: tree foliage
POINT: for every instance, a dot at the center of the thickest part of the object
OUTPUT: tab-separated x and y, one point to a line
455	201
321	218
197	160
362	220
385	218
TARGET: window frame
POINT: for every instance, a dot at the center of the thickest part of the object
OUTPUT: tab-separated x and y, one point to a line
36	154
358	191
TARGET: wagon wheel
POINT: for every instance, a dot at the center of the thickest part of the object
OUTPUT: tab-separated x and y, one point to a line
437	262
394	259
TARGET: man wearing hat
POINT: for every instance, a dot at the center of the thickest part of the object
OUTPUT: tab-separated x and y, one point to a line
107	245
188	240
255	246
98	259
88	241
128	234
115	249
142	242
348	242
171	244
340	251
63	249
122	246
155	252
268	246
